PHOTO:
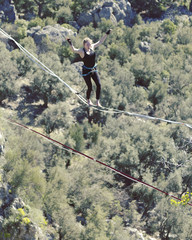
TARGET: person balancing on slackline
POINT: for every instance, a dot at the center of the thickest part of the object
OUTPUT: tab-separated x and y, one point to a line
89	69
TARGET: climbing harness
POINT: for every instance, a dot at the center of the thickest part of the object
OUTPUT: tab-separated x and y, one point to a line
92	70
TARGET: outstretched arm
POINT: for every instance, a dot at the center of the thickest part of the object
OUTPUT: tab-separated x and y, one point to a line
101	41
75	50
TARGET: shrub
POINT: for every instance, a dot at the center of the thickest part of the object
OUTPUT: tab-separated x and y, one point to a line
157	92
49	21
184	36
119	52
64	15
168	27
36	22
76	133
55	117
8	75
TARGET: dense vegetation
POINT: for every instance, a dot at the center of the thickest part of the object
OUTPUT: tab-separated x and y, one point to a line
84	200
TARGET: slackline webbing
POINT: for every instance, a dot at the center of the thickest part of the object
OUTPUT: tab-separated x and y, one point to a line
82	99
65	147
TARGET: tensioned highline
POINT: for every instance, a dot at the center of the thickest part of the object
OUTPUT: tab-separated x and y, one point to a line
59	144
102	109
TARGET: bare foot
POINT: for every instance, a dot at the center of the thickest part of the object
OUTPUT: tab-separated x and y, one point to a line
89	102
98	104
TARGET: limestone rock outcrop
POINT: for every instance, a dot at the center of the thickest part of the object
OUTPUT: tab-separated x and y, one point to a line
55	33
114	10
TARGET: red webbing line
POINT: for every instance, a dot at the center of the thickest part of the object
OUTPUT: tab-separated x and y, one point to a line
107	166
55	141
137	180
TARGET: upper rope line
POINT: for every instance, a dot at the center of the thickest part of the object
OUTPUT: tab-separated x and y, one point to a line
67	148
81	98
35	60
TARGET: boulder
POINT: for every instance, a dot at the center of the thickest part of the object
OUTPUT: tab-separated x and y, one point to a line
7	11
74	24
31	232
145	47
9	202
1	222
84	19
118	12
55	33
110	9
2	142
31	32
106	12
18	203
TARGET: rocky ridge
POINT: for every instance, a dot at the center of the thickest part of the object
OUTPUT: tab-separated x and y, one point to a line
113	10
55	33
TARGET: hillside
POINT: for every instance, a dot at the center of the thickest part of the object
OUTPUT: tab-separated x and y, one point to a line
145	68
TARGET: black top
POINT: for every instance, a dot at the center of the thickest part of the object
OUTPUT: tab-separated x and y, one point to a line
89	59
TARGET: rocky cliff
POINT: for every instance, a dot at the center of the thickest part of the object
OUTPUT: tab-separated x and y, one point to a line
14	220
114	10
55	33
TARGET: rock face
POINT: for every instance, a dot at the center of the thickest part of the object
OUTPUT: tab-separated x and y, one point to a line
55	33
2	142
145	47
114	10
9	203
5	199
7	11
174	11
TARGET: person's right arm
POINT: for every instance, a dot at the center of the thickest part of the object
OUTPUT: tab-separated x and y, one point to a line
76	50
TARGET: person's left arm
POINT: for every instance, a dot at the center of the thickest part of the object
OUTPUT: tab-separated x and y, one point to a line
101	41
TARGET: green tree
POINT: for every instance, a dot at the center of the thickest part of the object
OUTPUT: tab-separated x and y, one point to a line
41	7
79	6
153	8
96	224
55	117
47	87
57	204
64	15
24	6
146	69
172	220
157	92
183	36
168	27
23	63
8	75
76	133
118	52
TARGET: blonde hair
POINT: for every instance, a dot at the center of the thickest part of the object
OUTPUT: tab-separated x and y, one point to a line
87	40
